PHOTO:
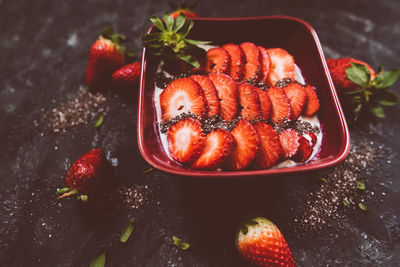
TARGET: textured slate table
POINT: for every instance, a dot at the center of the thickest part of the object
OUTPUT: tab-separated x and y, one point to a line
43	56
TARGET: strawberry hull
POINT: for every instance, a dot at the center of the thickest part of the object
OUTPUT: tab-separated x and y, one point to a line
301	42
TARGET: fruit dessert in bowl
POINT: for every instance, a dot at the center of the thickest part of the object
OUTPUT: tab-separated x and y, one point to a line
260	101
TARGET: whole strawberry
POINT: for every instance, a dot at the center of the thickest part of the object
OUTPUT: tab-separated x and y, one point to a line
127	75
184	8
85	173
106	55
260	242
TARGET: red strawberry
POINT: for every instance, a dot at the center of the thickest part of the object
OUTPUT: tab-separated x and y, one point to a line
260	242
127	75
337	69
266	64
247	145
188	13
253	66
237	61
182	7
249	102
297	97
209	92
290	144
311	137
186	140
218	145
265	103
312	102
218	61
182	96
106	55
305	150
280	104
271	150
282	65
227	93
86	172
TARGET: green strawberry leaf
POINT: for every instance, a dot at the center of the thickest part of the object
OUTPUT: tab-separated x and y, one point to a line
169	22
196	42
386	79
387	98
190	60
157	22
186	28
127	232
179	22
376	110
357	112
99	261
180	243
354	92
359	74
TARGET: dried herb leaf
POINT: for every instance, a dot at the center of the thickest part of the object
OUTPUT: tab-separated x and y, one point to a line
127	232
180	243
99	261
99	121
63	190
148	170
346	202
362	206
361	185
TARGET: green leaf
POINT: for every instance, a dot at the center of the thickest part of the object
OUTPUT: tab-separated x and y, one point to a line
63	190
189	59
156	36
99	261
186	28
346	202
359	74
169	22
99	121
196	42
148	170
376	110
386	79
83	198
180	243
387	98
361	185
107	32
362	206
323	179
157	22
179	22
355	92
357	112
127	232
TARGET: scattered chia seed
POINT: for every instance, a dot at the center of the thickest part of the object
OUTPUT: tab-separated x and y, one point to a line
136	196
301	127
283	83
74	112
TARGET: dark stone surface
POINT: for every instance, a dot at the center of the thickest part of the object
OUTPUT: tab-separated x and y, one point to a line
43	55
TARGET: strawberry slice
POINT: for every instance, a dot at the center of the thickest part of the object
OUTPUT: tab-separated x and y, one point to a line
249	102
266	64
237	61
297	97
247	146
186	140
265	103
270	151
304	152
218	61
182	96
227	94
280	104
218	145
282	65
253	66
312	102
290	144
210	93
311	137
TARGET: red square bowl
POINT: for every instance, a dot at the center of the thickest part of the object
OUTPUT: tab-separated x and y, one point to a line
292	34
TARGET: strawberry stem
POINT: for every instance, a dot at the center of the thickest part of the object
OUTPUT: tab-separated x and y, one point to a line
70	193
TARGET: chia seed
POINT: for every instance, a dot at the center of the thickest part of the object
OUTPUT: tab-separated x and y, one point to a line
136	196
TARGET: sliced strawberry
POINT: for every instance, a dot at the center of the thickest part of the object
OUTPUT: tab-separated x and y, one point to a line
186	140
265	103
271	150
280	104
182	96
312	102
253	66
282	65
266	64
311	137
227	94
290	144
249	102
237	61
247	146
218	146
297	97
210	93
304	152
218	61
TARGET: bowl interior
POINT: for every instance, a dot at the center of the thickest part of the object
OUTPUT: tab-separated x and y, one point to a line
300	40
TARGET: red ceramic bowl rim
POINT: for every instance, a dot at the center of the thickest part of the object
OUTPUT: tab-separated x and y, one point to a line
222	174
